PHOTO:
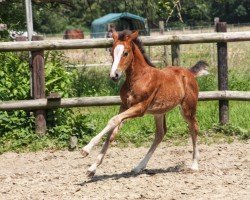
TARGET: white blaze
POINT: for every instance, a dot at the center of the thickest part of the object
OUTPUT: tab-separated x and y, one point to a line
118	51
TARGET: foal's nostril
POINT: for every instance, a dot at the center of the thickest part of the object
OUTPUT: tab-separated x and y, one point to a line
115	76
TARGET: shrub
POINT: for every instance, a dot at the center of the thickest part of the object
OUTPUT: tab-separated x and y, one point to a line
96	82
17	127
231	130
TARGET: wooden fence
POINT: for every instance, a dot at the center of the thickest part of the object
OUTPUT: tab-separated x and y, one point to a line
40	102
48	103
107	42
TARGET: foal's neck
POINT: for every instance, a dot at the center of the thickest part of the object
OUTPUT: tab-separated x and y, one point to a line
137	67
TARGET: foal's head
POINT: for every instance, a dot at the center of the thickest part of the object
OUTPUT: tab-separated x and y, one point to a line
122	53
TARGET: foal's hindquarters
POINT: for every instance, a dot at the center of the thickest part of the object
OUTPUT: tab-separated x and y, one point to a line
178	88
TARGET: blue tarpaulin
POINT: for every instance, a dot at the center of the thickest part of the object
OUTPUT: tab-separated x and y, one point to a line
121	21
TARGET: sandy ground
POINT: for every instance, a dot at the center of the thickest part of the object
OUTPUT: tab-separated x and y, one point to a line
224	174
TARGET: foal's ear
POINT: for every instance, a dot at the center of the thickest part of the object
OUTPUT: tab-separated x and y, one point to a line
134	35
115	36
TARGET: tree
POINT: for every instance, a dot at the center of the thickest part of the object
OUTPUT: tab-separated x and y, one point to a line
66	2
53	16
16	20
231	11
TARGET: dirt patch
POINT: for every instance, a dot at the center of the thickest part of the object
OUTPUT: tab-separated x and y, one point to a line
224	174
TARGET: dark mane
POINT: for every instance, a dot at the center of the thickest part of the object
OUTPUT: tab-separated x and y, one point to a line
122	35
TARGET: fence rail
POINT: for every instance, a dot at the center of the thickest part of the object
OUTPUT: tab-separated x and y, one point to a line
107	101
107	42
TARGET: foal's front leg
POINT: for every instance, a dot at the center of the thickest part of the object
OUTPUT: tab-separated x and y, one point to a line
135	111
110	138
112	124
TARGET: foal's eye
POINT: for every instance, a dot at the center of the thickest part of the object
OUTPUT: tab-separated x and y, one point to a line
125	54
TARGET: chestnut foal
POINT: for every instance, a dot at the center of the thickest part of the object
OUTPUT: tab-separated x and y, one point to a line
148	90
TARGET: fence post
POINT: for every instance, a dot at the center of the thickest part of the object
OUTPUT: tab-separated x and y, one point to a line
38	86
162	29
222	74
175	51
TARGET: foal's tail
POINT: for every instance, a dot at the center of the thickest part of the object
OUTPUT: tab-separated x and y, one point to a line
200	68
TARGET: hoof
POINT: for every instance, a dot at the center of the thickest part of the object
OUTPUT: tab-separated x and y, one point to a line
84	153
194	167
90	174
136	170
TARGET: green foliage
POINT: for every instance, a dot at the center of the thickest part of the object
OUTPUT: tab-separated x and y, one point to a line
209	82
239	81
49	19
231	130
83	127
12	13
63	123
16	139
4	36
14	85
231	11
14	68
14	120
17	127
202	12
96	82
55	17
165	7
58	79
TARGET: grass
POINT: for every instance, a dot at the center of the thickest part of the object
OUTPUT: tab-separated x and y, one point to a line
141	130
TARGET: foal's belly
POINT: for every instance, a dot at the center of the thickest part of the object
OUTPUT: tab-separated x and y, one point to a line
160	107
164	102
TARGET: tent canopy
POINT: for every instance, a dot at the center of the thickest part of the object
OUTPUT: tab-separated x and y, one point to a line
121	21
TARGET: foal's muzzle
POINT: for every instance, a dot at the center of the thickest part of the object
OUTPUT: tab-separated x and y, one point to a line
115	79
115	76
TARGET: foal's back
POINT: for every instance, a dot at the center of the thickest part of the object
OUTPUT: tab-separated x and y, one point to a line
184	77
175	84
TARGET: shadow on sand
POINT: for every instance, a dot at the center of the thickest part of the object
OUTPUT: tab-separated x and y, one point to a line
178	168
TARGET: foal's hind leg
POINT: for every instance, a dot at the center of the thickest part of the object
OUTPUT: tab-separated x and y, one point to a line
189	113
160	132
